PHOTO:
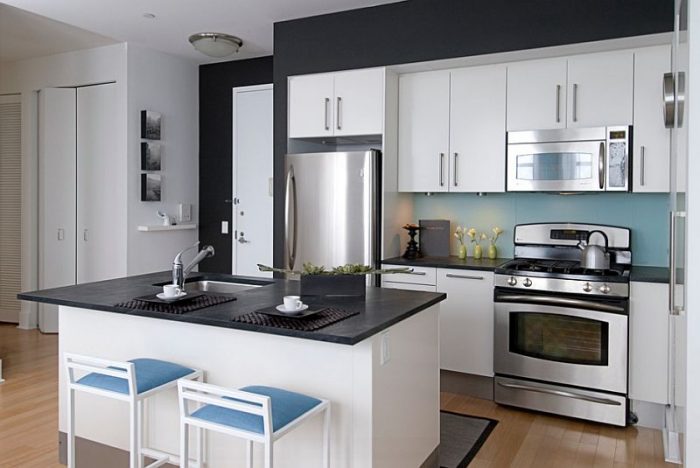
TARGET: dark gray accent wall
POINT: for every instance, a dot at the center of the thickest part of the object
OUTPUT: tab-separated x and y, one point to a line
422	30
215	146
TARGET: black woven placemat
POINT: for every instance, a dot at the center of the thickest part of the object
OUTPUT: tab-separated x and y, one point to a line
322	319
197	303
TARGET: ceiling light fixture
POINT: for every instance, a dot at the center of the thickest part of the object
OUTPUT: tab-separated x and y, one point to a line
149	16
216	45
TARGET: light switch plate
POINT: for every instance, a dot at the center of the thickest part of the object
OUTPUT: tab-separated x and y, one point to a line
184	212
224	227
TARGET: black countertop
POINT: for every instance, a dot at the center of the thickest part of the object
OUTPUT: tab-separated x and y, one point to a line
469	263
645	274
381	308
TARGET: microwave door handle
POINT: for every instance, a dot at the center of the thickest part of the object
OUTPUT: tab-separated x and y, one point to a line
601	166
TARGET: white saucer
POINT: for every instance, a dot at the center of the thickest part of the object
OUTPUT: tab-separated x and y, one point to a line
163	297
284	310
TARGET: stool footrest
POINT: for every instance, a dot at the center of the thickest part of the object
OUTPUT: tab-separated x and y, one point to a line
161	458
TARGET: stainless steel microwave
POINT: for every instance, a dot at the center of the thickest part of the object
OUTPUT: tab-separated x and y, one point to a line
570	160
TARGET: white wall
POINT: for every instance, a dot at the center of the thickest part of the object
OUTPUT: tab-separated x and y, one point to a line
99	65
169	85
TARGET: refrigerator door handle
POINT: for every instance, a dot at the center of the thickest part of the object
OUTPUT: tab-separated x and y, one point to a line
291	205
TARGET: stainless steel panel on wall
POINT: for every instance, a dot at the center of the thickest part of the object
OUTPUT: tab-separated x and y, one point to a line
332	208
611	377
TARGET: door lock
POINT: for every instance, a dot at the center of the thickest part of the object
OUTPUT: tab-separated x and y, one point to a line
242	239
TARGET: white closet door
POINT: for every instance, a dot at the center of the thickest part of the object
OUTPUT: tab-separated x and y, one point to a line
101	231
56	196
10	207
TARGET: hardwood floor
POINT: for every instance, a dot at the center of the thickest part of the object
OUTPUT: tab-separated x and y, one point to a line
29	421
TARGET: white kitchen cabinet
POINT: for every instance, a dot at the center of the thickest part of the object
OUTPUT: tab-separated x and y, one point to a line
452	130
466	321
477	129
336	104
651	153
600	89
537	94
424	131
649	343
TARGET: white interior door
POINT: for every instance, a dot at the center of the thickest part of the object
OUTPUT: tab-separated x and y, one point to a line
57	147
101	253
10	207
252	179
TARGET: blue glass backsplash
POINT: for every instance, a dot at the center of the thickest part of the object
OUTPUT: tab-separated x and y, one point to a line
645	214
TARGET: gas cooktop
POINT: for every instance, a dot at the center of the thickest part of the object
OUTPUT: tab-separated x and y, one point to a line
562	269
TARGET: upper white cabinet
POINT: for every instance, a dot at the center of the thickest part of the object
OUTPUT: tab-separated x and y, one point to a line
651	152
336	104
424	131
466	321
591	90
452	130
649	343
600	88
537	94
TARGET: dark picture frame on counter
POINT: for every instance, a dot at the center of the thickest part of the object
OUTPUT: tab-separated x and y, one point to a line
150	125
151	155
151	187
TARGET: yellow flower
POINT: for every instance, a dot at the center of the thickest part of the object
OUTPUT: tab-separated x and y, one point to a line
472	233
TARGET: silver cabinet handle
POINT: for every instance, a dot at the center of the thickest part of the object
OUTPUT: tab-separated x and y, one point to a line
575	103
601	166
326	124
451	275
642	154
442	162
455	168
416	273
557	114
548	391
291	204
85	235
339	123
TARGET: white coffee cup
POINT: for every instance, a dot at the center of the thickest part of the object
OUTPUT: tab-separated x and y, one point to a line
171	290
292	303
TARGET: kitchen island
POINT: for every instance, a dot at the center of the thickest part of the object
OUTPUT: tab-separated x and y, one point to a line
379	369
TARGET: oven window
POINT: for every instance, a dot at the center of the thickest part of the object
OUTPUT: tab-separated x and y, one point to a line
559	338
555	166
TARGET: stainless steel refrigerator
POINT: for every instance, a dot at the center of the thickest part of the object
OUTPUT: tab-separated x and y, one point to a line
332	209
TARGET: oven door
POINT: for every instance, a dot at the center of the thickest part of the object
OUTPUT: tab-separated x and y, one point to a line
561	340
557	167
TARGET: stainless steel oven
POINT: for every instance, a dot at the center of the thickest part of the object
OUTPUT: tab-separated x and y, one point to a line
574	159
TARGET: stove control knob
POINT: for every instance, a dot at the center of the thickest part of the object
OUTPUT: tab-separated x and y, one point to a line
605	289
587	287
512	281
527	283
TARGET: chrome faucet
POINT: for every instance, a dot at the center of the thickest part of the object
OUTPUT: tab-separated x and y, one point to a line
180	273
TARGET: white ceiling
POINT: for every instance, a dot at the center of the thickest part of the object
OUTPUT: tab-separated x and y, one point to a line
25	35
175	20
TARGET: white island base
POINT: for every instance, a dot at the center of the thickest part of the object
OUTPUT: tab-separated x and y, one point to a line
384	414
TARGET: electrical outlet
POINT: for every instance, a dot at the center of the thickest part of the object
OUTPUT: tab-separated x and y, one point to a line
184	211
385	356
224	227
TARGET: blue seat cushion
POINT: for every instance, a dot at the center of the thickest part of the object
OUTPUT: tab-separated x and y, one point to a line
149	374
285	406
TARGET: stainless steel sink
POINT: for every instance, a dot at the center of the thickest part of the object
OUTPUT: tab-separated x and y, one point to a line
223	287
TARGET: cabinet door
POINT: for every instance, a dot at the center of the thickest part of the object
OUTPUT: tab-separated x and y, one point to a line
651	153
311	106
424	126
600	89
101	193
649	332
477	129
466	321
359	102
537	95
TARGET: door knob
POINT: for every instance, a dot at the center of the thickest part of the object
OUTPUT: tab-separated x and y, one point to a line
242	239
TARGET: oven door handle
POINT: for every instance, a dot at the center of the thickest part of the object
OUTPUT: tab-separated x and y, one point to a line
560	301
577	396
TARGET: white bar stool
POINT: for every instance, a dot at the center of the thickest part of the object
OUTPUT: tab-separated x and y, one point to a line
256	414
131	381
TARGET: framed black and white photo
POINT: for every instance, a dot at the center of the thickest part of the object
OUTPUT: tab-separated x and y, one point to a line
150	187
151	154
150	125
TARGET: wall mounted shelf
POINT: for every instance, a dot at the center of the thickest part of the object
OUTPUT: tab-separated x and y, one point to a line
160	227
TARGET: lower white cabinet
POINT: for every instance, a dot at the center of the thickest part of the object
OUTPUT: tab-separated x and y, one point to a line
466	321
649	332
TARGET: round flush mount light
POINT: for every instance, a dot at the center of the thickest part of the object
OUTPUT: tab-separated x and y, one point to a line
216	45
149	16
